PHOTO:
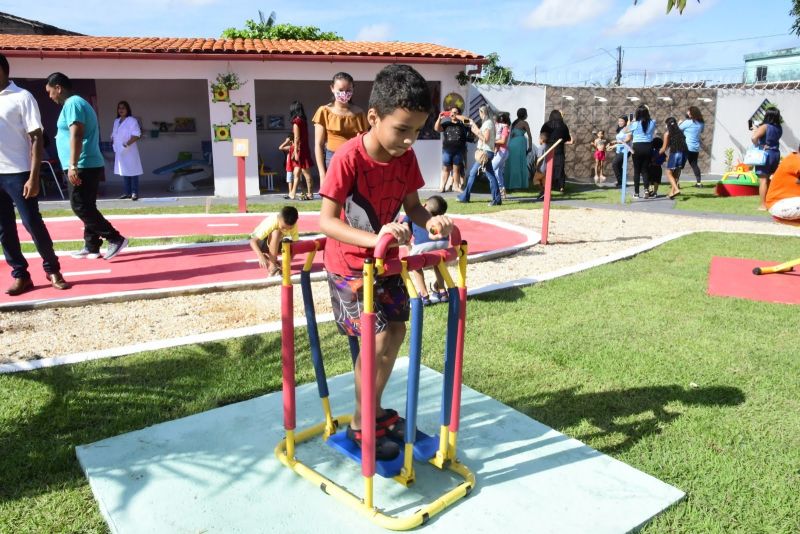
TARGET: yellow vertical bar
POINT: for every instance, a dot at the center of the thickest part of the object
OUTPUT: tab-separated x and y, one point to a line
369	287
290	444
462	265
368	492
445	272
410	287
451	450
286	261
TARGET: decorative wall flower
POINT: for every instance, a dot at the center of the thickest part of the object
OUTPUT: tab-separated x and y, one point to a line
240	113
222	132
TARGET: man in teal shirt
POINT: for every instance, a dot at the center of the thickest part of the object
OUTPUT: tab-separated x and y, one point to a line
78	144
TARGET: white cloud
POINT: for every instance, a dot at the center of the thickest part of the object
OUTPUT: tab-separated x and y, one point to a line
555	13
648	12
374	32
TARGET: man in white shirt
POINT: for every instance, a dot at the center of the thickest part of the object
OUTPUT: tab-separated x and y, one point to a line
20	157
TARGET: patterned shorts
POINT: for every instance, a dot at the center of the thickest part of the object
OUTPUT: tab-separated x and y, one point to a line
391	302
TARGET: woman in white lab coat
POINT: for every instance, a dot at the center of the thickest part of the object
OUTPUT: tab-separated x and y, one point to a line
126	154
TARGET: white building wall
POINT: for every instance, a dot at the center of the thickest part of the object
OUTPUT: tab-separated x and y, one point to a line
735	107
155	101
511	98
428	152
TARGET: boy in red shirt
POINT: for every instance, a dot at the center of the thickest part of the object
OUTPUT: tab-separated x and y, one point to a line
369	179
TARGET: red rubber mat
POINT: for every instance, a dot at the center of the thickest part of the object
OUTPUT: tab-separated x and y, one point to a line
733	277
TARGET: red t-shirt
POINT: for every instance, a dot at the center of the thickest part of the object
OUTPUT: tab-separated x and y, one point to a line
371	194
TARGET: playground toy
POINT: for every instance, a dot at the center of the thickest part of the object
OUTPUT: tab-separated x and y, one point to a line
783	267
189	173
439	451
740	182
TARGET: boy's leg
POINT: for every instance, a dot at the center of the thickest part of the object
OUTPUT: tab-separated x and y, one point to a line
274	245
387	345
418	277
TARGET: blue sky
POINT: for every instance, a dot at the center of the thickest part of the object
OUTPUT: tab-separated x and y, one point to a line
556	40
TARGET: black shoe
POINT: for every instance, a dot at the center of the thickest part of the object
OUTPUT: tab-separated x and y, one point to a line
115	248
385	449
123	197
134	197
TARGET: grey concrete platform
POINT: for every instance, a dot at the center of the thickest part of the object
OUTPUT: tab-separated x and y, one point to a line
215	472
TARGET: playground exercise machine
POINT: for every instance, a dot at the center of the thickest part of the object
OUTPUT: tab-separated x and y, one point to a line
740	182
438	450
783	267
188	173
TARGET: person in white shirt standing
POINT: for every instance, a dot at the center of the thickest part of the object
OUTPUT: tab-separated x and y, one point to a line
127	162
20	157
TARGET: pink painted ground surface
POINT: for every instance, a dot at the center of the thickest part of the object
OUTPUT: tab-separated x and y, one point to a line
137	270
733	277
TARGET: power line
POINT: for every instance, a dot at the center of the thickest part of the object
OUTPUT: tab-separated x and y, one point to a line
574	62
710	42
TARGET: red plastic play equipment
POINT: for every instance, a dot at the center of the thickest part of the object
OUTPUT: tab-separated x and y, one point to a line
740	182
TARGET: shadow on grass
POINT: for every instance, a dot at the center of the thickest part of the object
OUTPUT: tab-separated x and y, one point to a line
85	403
632	414
506	295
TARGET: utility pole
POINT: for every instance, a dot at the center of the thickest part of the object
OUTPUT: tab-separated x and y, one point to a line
618	81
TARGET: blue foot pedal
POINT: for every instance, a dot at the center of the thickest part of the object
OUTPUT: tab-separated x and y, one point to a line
425	448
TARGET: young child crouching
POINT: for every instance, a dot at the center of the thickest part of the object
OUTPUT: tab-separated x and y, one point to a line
372	176
266	238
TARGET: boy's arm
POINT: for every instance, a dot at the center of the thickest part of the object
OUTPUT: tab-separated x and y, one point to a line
335	228
262	258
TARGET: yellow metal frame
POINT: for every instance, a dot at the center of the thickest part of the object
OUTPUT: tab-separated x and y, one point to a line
445	458
360	504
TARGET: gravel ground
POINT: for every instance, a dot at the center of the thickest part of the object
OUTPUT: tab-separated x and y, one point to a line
576	236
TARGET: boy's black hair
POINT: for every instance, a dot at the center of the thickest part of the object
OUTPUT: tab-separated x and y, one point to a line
289	215
400	87
296	110
657	143
58	78
4	65
436	205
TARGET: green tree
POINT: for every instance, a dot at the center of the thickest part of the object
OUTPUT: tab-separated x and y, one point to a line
494	73
266	28
795	12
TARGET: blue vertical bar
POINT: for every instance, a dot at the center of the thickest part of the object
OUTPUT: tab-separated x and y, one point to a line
414	362
624	171
313	334
354	348
450	355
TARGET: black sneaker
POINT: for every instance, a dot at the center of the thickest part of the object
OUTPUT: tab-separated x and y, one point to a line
385	449
115	248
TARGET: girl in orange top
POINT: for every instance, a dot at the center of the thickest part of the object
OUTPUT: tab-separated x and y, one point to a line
783	196
337	122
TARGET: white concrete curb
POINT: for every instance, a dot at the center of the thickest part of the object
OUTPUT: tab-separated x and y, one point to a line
323	318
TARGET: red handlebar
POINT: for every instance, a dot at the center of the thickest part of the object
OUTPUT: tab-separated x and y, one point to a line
387	240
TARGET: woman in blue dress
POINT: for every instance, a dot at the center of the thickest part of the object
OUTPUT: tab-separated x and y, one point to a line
517	175
767	137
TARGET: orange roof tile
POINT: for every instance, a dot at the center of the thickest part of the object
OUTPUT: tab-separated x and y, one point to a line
155	47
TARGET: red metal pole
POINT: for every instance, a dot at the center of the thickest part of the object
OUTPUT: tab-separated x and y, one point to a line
287	356
368	393
242	187
548	183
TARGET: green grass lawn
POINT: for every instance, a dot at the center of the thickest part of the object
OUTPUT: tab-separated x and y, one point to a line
632	358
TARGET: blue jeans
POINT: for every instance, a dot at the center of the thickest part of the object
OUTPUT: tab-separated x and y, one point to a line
131	185
11	195
494	186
